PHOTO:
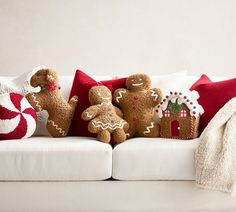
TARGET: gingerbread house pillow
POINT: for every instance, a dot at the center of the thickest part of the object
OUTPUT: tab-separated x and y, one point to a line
179	113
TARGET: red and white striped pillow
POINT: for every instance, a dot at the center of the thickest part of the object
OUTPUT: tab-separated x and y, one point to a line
17	117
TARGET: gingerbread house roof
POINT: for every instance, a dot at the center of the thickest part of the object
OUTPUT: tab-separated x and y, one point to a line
189	98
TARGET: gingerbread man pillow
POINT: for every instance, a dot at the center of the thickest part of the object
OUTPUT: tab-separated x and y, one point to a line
105	119
138	104
50	99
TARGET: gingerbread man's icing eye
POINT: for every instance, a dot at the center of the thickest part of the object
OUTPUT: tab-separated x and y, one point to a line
140	79
99	94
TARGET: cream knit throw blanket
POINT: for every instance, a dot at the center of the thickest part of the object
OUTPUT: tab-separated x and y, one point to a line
215	158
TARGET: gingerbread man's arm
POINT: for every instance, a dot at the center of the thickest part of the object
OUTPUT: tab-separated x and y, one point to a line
120	95
155	96
90	112
118	112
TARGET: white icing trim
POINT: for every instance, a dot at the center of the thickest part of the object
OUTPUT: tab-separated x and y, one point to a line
104	126
119	97
190	101
36	101
106	98
154	94
148	128
88	115
137	84
61	131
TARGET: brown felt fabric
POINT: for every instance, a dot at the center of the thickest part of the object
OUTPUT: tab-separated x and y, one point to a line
50	99
138	104
105	119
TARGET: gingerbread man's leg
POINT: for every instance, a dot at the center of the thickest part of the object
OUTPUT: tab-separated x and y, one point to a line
149	130
119	135
104	136
55	129
92	128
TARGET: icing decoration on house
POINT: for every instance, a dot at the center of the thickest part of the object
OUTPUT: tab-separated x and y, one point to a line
17	117
180	113
105	119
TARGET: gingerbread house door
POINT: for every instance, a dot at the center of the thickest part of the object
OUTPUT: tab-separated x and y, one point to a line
175	128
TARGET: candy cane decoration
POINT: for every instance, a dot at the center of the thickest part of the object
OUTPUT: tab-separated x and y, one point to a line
148	128
120	95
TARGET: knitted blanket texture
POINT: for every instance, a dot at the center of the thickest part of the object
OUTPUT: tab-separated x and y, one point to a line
215	157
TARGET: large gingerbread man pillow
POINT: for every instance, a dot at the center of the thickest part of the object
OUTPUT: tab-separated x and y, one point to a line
138	104
105	119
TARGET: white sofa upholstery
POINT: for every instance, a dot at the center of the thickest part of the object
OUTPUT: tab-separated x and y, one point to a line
55	159
154	159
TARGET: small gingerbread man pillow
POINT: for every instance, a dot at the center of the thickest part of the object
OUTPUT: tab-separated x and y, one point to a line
138	104
105	119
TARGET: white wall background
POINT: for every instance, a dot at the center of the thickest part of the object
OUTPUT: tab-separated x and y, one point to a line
118	36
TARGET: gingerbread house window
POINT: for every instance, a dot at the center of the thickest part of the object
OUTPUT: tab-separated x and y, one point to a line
183	113
167	113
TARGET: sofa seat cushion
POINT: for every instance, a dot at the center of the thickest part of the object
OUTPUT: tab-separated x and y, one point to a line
154	159
55	159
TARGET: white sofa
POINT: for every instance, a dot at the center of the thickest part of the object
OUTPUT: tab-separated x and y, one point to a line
81	174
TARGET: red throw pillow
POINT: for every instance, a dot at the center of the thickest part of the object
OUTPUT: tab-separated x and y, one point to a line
81	86
213	96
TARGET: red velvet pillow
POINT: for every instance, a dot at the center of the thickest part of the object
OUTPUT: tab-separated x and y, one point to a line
213	96
81	86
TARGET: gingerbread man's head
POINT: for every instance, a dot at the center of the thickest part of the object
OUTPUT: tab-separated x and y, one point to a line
138	82
99	94
46	79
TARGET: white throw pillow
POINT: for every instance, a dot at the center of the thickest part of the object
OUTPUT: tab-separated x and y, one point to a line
172	81
20	84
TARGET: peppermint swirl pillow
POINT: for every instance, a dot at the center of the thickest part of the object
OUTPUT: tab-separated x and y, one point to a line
17	117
